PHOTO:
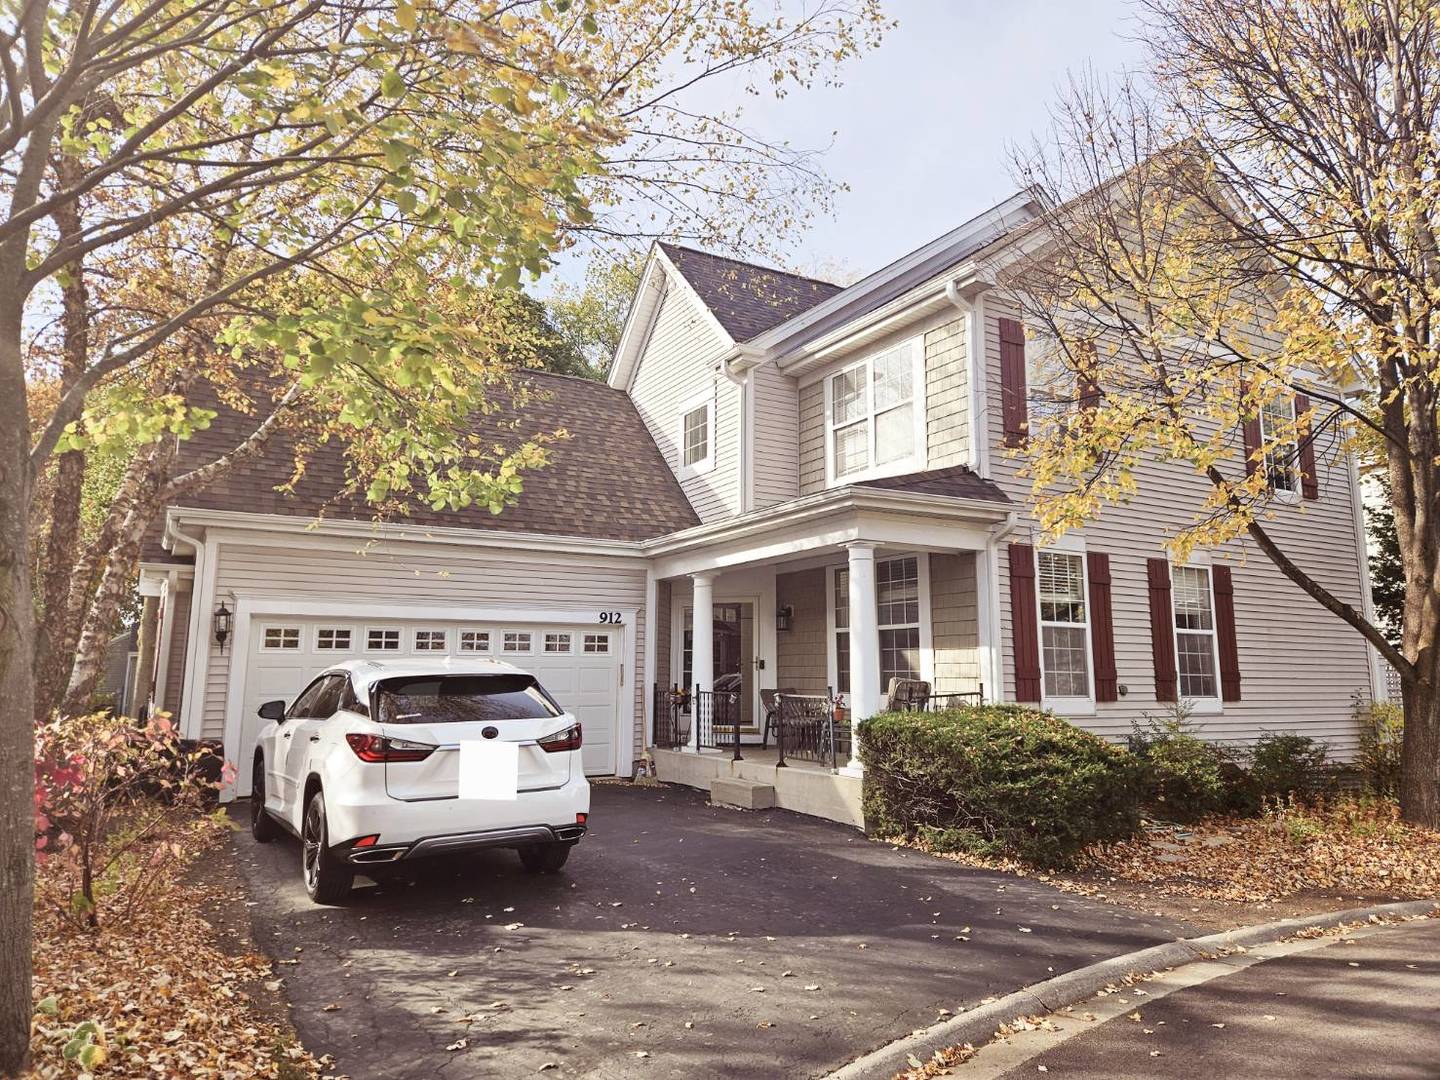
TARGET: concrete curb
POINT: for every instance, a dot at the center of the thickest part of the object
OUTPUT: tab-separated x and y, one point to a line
979	1025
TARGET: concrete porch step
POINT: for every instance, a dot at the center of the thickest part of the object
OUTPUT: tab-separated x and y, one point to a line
746	794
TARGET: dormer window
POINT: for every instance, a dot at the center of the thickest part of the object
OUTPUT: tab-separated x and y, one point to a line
875	415
697	436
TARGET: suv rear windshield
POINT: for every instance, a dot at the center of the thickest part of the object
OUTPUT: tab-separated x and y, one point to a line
455	699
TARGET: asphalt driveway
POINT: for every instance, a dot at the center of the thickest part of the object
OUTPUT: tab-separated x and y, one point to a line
681	940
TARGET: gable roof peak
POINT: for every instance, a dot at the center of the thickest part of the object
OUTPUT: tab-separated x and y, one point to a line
746	299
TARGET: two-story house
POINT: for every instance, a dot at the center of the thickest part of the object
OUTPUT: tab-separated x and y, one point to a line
787	485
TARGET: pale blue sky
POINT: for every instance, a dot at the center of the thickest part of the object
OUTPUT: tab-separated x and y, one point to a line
922	124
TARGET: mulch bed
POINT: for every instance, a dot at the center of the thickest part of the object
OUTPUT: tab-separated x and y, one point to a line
166	995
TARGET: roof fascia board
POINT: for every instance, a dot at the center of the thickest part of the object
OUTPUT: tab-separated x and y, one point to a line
920	264
638	320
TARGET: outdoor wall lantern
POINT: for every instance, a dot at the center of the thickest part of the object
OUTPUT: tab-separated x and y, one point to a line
783	617
223	616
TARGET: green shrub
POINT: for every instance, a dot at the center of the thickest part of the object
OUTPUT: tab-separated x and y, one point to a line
1183	776
1382	732
996	779
1285	765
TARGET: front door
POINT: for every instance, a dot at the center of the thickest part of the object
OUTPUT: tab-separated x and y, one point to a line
734	654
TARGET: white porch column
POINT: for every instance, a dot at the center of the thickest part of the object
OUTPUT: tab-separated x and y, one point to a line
702	648
864	642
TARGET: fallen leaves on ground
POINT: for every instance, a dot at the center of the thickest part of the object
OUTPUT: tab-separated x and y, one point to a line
1349	845
157	995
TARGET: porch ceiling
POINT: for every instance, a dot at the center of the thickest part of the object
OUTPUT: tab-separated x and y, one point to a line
800	529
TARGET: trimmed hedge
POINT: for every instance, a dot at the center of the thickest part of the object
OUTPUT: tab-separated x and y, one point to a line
996	780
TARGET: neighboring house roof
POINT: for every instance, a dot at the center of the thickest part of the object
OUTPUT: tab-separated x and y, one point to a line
747	299
957	481
607	480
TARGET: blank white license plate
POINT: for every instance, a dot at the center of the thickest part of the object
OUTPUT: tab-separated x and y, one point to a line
489	769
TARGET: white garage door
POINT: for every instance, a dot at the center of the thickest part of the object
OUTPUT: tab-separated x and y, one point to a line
579	665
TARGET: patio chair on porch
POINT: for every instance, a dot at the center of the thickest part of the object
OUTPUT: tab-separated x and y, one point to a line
770	703
907	695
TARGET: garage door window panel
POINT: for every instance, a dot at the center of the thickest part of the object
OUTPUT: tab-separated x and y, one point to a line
516	641
382	639
281	637
557	643
431	640
597	644
475	641
332	639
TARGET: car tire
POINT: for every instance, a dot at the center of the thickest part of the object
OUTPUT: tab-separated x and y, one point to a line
544	858
262	825
327	880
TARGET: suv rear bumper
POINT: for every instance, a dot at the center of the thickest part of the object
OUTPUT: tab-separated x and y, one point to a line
458	843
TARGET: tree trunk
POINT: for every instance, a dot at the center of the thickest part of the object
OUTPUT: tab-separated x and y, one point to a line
56	629
17	711
1420	753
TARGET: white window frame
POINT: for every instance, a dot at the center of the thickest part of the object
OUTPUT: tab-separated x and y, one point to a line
399	640
927	647
349	631
429	647
1068	706
601	641
916	461
1284	494
528	635
460	640
563	638
299	638
703	465
1200	706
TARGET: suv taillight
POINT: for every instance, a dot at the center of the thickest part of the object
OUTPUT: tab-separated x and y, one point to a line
569	739
378	748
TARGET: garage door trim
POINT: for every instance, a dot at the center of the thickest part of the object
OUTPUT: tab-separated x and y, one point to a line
249	608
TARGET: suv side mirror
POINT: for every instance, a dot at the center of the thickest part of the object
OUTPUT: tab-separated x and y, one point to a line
272	710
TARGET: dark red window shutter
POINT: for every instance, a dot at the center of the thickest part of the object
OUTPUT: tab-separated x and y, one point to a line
1024	623
1225	633
1162	630
1102	627
1309	482
1250	429
1013	402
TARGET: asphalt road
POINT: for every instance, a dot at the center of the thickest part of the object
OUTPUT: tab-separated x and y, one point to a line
1368	1008
681	940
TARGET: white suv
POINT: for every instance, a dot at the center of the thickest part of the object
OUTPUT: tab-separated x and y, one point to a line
364	768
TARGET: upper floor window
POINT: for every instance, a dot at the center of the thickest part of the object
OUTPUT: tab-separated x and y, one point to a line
1277	435
875	414
697	436
1064	624
1194	609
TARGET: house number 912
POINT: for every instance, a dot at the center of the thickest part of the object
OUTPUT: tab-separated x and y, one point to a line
614	618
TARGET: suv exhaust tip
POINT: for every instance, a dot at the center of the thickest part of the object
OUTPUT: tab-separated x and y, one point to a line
370	856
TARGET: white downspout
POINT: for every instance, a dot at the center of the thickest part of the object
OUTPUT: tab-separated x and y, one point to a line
747	480
994	674
978	421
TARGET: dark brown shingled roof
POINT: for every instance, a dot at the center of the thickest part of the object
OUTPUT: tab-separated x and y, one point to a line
957	482
607	481
747	299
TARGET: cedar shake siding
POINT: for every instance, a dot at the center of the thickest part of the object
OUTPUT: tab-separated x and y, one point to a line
776	413
801	658
955	632
1298	666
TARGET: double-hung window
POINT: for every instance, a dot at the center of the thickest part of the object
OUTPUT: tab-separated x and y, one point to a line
1194	608
697	435
1064	625
897	610
1277	435
875	414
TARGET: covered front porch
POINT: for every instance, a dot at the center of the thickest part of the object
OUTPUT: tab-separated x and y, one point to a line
778	634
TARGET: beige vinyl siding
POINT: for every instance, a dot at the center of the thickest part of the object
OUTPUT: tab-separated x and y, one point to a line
801	661
947	390
679	363
776	463
400	574
175	667
812	438
663	621
1299	665
955	633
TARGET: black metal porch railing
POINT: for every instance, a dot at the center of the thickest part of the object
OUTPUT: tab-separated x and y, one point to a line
672	717
940	702
807	729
